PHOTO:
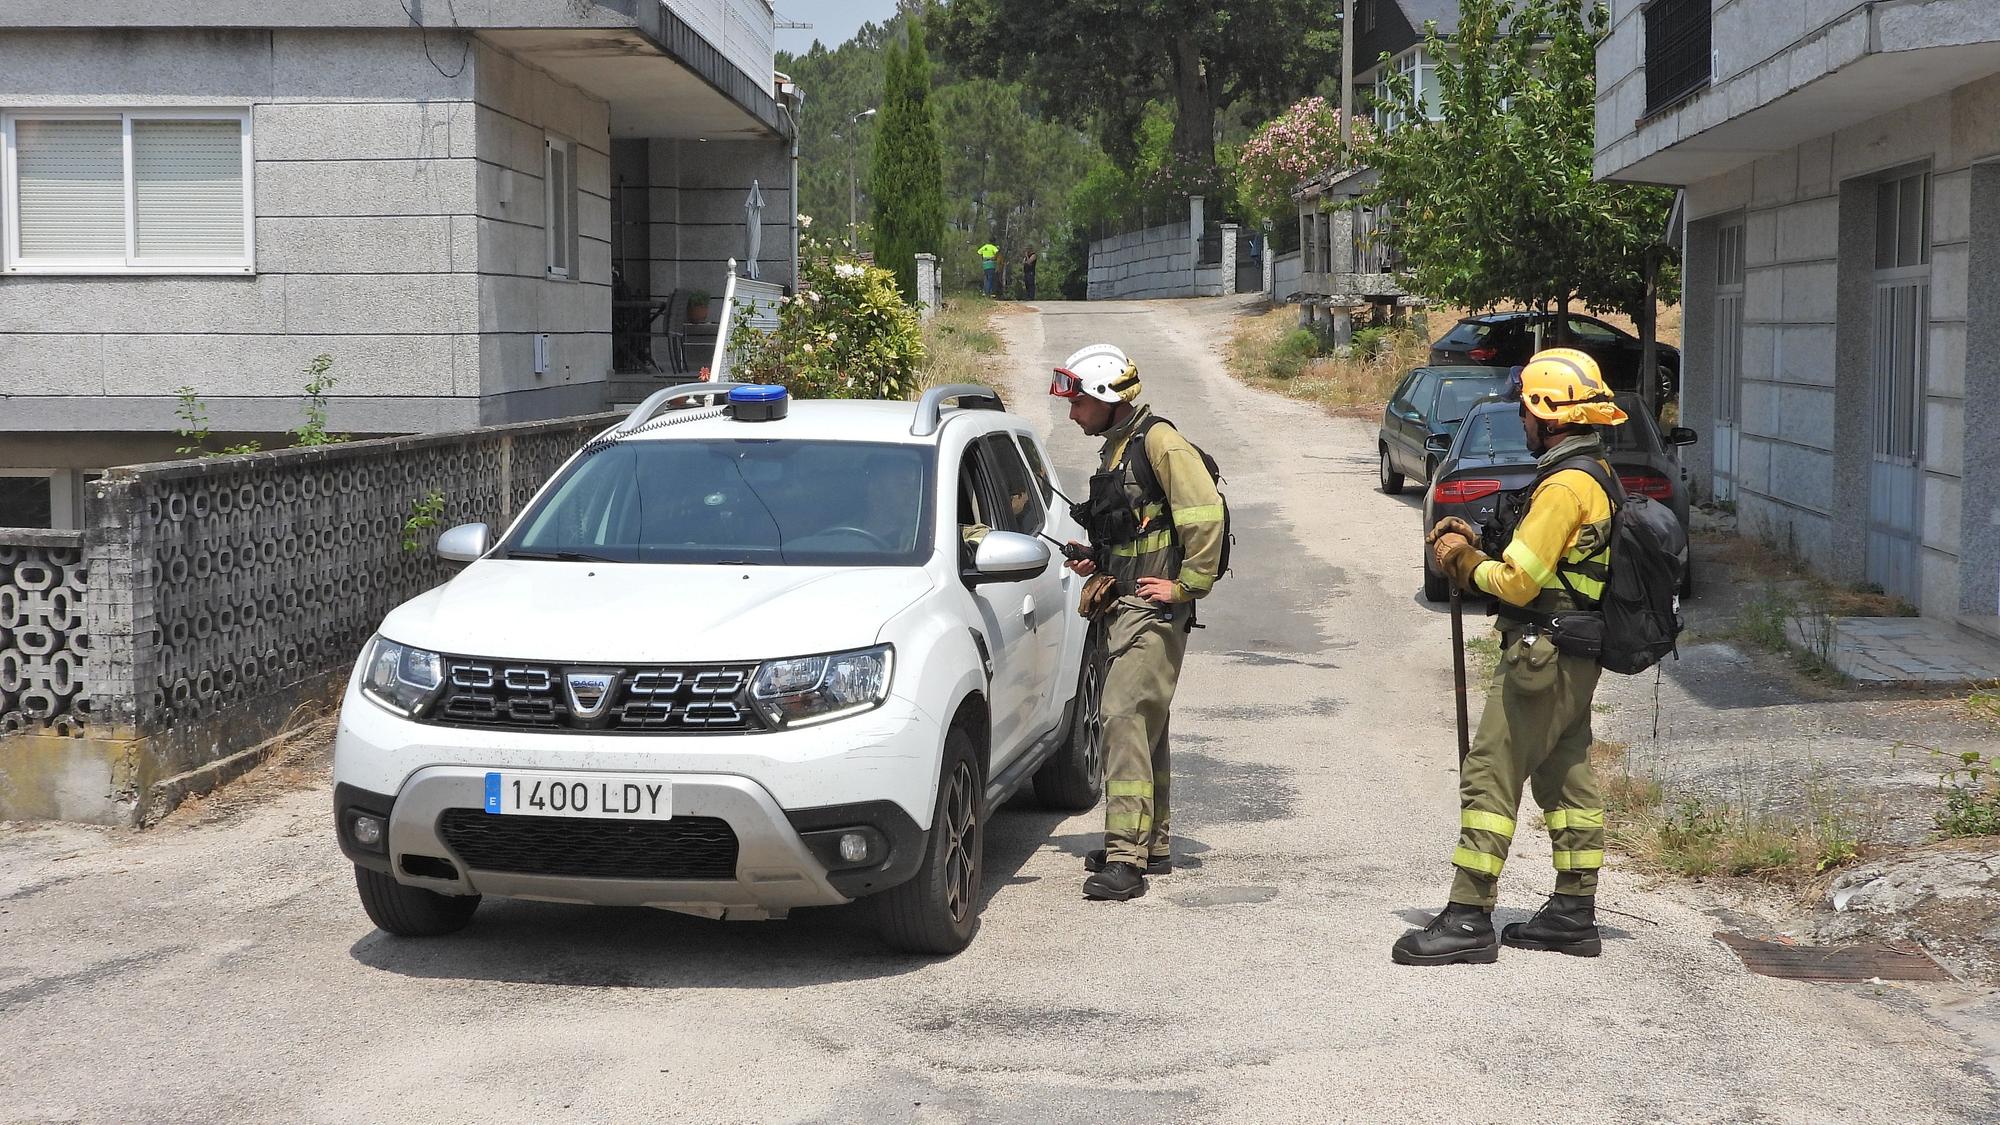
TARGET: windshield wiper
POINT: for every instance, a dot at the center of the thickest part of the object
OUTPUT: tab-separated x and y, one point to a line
560	556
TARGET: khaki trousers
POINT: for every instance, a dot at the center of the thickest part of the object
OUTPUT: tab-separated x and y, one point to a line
1146	643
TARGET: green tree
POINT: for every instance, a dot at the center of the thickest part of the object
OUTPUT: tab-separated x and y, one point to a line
1099	63
841	83
907	178
1495	197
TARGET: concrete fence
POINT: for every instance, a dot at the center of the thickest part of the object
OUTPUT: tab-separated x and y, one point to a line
1164	261
203	601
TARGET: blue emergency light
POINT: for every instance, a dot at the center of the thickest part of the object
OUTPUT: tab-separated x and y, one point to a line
759	403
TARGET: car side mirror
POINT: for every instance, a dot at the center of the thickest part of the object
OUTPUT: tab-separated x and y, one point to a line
467	542
1437	443
1008	556
1681	435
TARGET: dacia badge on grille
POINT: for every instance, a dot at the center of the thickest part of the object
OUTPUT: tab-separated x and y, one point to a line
589	692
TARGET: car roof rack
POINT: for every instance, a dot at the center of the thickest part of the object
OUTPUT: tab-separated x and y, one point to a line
969	396
661	400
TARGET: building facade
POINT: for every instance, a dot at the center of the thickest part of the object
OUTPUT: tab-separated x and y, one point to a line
457	212
1841	353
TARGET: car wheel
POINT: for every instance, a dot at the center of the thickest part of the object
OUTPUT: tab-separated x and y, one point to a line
1392	481
1073	778
411	911
1437	588
937	910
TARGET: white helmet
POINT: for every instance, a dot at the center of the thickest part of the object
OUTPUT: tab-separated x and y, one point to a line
1101	371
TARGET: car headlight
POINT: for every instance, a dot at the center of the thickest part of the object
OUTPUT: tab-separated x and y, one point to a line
401	678
813	689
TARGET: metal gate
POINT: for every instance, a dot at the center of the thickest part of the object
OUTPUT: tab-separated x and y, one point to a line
1728	356
1901	329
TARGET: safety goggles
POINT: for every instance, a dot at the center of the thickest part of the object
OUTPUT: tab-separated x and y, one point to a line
1065	384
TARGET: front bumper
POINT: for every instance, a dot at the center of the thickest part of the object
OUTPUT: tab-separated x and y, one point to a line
782	860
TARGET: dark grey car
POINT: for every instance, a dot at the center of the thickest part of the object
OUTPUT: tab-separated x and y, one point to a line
1430	401
1489	459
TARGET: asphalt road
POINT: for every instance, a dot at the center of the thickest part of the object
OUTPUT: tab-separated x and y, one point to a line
219	968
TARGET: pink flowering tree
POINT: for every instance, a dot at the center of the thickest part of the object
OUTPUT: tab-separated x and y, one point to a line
1300	142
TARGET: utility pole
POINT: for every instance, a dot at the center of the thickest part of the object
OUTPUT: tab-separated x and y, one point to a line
1346	74
851	205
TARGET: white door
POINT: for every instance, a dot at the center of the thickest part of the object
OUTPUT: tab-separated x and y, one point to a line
1728	356
1900	326
1013	616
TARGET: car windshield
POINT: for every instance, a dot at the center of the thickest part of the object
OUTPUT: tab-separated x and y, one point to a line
1494	432
1457	394
793	503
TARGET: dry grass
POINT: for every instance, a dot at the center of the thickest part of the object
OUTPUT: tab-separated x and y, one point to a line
1271	351
960	345
1699	836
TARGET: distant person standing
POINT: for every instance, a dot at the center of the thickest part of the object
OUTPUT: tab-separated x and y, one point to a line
1028	272
989	266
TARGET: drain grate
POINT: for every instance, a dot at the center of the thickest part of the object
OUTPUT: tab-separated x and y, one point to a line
1852	964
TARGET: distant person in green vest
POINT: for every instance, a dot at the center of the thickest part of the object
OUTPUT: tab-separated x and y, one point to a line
989	265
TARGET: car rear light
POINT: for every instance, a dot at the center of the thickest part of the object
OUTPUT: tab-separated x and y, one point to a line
1484	354
1648	484
1464	491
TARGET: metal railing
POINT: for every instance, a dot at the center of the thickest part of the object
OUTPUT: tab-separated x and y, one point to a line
1678	51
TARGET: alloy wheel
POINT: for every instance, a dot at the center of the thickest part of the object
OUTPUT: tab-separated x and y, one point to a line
1090	699
961	855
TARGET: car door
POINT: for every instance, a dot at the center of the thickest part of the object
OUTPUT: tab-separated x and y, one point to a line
1004	627
1407	418
1044	601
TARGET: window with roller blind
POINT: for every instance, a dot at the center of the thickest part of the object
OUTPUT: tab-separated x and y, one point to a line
118	192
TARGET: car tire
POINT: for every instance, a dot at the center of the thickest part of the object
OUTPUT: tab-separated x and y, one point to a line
1392	481
411	911
1072	779
937	910
1437	588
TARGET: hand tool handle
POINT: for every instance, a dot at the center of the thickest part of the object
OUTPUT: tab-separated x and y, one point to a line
1458	672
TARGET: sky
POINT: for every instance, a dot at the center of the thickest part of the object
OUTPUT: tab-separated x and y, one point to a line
834	21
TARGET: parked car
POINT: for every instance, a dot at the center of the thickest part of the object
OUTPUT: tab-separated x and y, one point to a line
732	660
1507	339
1429	401
1489	459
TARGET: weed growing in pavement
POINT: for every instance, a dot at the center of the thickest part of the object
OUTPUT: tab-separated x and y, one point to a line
426	512
1971	780
1766	622
1698	836
193	413
319	381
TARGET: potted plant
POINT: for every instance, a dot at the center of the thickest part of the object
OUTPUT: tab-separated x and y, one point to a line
697	309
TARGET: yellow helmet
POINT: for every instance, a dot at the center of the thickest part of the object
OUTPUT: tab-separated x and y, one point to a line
1564	386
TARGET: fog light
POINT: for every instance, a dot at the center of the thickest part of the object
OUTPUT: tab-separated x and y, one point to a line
367	830
853	847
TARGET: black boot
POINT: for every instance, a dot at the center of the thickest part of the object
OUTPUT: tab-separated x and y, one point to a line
1117	882
1461	935
1093	860
1564	924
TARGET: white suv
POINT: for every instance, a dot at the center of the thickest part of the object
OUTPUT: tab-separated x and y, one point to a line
732	659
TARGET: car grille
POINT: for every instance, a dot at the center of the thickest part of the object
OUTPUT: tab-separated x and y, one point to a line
691	847
513	695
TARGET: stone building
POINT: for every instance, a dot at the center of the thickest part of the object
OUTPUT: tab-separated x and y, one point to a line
1841	349
456	204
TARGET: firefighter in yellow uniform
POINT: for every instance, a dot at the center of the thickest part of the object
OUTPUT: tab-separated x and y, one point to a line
1536	725
1163	549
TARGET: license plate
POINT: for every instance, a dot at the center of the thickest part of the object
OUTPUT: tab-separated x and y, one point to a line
596	795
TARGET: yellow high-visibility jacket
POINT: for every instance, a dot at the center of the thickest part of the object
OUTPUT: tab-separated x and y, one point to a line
1567	526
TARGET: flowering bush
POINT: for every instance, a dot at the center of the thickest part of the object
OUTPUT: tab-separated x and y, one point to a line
846	333
1300	142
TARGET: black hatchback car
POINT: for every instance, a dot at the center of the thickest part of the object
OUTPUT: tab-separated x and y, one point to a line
1430	401
1489	458
1507	339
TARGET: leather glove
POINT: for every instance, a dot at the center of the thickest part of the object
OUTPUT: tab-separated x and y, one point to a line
1457	558
1452	525
1097	596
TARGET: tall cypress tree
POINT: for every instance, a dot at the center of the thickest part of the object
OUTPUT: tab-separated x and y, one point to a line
907	180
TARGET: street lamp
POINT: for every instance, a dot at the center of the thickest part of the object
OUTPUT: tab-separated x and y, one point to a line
851	123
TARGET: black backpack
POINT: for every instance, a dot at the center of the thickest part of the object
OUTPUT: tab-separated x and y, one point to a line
1142	467
1649	556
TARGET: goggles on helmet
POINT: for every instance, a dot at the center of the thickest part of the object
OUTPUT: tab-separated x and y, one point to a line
1065	384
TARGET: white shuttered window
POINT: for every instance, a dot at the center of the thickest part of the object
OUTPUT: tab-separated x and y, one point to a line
145	192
